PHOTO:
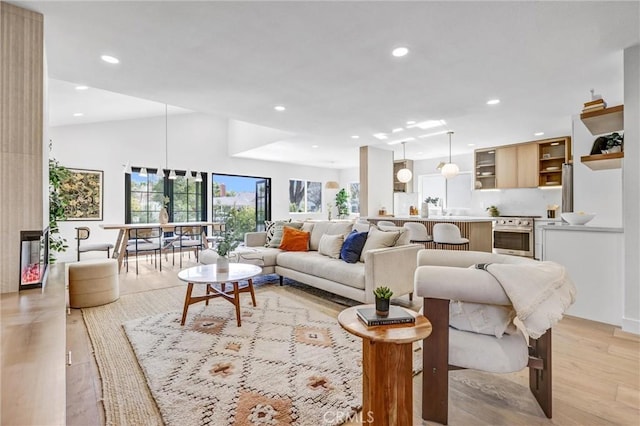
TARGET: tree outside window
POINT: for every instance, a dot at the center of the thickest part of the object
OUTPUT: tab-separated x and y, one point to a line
187	200
305	196
147	196
354	197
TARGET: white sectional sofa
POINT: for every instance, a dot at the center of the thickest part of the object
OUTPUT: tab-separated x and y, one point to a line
393	266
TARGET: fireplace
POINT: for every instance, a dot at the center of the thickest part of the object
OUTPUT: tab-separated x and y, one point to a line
34	258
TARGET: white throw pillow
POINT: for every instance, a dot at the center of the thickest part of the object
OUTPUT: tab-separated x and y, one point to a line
379	239
494	320
330	245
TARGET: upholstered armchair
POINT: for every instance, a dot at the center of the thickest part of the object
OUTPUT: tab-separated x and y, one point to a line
495	318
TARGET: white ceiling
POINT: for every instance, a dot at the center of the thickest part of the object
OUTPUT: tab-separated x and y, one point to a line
329	63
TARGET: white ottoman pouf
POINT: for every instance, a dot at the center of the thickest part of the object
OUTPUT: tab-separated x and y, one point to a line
93	283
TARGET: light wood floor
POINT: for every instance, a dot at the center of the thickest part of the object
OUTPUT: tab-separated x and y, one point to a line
596	373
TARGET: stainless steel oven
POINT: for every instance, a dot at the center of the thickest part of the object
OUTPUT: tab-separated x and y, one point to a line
514	236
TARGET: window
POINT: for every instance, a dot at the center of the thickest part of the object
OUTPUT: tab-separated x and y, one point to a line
145	196
249	195
354	197
455	193
187	200
305	196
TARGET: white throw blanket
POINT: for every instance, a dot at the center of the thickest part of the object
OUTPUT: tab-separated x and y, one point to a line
540	292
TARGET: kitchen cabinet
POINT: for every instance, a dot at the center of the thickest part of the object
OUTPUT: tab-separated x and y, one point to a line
485	166
397	185
606	120
552	153
517	166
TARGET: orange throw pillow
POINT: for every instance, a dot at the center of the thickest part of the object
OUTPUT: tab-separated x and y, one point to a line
294	239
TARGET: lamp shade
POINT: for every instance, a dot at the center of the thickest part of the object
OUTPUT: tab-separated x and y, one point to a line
332	184
404	175
143	172
198	177
450	170
172	174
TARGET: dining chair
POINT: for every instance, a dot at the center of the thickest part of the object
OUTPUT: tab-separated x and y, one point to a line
144	241
187	238
82	234
448	233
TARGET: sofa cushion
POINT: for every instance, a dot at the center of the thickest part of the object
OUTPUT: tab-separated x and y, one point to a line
361	227
313	263
325	227
493	320
261	256
270	227
294	240
353	245
276	239
330	245
379	239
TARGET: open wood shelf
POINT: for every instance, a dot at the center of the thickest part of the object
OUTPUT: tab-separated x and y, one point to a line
603	161
605	120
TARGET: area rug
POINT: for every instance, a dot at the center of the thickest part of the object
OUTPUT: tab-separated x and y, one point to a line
288	364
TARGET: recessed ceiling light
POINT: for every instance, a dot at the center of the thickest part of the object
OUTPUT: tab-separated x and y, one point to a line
355	137
381	136
397	129
410	122
399	52
471	144
400	141
428	124
493	102
110	59
82	87
279	108
315	146
538	134
78	114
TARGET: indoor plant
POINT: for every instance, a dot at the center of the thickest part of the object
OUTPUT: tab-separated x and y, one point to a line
57	204
227	242
342	199
493	211
383	296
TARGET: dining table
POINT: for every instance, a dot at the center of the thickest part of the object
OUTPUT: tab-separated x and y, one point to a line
120	247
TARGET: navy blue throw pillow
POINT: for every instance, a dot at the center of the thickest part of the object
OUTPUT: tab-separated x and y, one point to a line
352	246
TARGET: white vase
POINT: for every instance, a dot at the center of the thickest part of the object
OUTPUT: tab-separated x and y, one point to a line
164	216
222	264
424	211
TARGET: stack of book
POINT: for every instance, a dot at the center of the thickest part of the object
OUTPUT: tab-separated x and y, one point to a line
594	105
397	315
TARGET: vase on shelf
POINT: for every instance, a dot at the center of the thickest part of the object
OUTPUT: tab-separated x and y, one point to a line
222	264
424	211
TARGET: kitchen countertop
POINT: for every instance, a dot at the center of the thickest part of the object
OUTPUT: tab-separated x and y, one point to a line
436	218
583	228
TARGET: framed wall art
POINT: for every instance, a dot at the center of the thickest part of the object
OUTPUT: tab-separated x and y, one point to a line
82	192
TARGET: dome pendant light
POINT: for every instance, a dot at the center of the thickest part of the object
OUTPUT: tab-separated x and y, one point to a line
404	175
450	170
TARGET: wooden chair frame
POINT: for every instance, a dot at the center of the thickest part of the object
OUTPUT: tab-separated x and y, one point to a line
435	363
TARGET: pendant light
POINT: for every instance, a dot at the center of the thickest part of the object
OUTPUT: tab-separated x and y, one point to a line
143	172
404	175
198	177
172	173
450	170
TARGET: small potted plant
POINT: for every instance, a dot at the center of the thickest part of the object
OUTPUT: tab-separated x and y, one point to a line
383	296
493	211
227	243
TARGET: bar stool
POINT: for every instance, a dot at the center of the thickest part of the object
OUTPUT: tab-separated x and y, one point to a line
448	233
385	223
418	233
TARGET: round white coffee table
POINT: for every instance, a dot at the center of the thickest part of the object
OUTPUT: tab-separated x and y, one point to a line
207	275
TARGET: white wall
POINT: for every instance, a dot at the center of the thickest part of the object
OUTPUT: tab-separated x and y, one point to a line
376	180
631	191
195	142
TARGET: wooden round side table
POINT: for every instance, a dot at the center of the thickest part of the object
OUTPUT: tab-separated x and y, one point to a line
387	364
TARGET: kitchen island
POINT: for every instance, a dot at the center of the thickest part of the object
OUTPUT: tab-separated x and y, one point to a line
593	256
476	228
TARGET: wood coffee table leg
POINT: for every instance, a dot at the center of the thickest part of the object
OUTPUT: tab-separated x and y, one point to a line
236	302
253	295
187	299
208	291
